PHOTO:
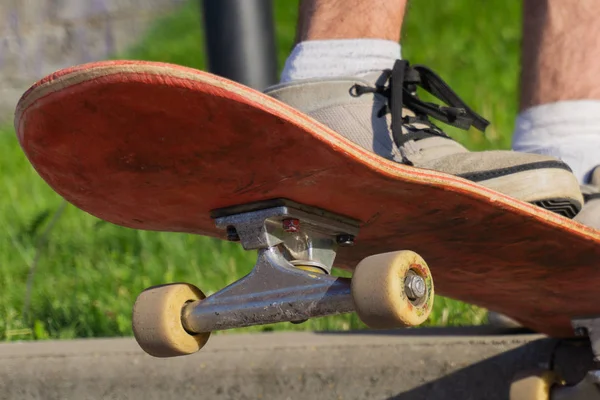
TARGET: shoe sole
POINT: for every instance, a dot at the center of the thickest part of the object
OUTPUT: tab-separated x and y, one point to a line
553	189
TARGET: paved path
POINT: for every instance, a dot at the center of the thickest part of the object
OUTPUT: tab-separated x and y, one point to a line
411	364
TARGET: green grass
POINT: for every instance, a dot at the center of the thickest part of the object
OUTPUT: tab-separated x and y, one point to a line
89	272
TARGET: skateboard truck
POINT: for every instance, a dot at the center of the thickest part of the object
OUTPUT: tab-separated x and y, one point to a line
589	387
290	282
589	327
547	385
290	243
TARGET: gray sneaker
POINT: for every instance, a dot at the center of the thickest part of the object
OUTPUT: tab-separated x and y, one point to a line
382	113
590	213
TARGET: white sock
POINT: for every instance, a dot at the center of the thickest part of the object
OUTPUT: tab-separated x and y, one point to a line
340	57
569	130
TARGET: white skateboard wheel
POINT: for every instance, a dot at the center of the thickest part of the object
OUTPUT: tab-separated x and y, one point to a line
533	385
392	290
157	325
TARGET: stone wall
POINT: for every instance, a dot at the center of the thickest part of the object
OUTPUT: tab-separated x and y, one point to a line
38	37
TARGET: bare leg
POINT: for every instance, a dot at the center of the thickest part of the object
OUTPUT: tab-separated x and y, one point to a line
350	19
345	38
560	83
561	51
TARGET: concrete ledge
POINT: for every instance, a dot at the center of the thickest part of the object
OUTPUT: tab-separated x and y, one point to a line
410	364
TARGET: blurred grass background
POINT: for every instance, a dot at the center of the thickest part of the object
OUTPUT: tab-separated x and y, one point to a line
89	272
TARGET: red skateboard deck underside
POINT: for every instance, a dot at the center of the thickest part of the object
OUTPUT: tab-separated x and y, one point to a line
157	147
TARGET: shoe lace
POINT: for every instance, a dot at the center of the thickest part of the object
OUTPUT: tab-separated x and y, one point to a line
402	81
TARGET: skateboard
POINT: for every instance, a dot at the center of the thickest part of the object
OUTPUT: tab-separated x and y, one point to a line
161	147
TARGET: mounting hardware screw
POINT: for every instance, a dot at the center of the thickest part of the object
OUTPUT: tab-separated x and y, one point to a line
232	234
345	240
414	286
291	225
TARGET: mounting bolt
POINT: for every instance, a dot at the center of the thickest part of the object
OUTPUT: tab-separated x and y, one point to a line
414	286
345	240
291	225
232	234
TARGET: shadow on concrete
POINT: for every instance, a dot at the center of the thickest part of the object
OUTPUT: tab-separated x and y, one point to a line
490	379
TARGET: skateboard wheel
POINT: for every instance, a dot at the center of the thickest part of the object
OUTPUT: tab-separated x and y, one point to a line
392	290
157	325
533	385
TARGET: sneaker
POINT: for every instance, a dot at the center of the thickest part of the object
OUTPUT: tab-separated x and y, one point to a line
590	213
382	113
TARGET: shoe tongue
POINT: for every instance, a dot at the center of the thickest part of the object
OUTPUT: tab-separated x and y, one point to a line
435	145
377	78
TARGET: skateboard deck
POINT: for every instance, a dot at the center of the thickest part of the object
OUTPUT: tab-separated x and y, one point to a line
159	147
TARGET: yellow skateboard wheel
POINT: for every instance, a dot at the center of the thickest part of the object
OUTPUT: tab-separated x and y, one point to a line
157	325
533	385
381	290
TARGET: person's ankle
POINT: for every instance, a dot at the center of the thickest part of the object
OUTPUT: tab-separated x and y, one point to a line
340	57
568	130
